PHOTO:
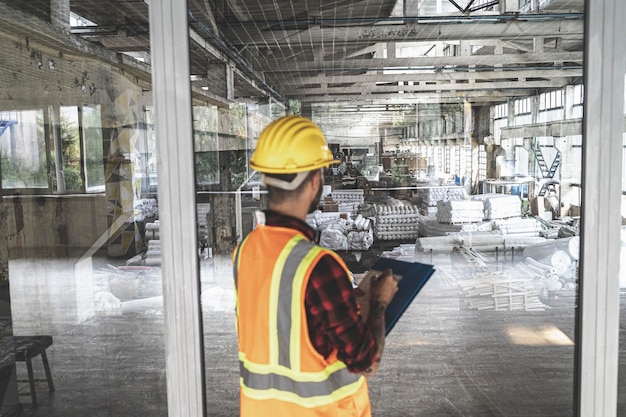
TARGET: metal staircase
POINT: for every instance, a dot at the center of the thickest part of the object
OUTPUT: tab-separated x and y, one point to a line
7	119
4	125
547	173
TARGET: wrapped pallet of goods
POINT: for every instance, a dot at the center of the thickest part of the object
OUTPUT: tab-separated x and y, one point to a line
460	211
340	232
430	226
334	239
479	241
348	200
519	226
396	221
500	206
428	197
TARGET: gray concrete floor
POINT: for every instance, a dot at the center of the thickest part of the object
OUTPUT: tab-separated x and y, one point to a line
442	359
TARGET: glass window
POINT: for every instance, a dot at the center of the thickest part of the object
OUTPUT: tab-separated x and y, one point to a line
93	152
449	115
71	149
206	145
80	239
23	147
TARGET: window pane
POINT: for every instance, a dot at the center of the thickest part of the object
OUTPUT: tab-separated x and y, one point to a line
80	272
431	107
206	145
94	158
23	148
70	142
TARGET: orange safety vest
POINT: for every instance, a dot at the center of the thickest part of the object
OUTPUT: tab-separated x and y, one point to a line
281	373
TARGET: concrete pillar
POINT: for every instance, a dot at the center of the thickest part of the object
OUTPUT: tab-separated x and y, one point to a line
538	44
527	144
511	112
222	214
223	208
498	50
230	82
391	50
566	177
492	152
568	103
60	14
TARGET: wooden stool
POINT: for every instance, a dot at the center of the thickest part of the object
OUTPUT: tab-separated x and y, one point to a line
26	348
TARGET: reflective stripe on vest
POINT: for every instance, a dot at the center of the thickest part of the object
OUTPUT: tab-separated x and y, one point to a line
282	378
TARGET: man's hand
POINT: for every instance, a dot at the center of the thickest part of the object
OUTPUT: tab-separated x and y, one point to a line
383	288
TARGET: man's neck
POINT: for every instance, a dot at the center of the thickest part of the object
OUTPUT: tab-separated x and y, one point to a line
289	209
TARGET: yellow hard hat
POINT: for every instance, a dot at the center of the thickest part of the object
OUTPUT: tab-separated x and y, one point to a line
290	145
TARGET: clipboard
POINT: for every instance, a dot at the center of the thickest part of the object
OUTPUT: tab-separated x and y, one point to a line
411	276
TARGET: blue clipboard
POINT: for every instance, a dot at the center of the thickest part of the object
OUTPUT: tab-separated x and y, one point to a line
412	278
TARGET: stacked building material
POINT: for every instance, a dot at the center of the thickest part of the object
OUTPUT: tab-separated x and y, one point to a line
519	226
153	253
428	197
146	208
541	252
348	200
152	231
396	222
430	226
359	240
334	239
403	252
329	205
339	232
480	241
500	206
319	219
460	211
556	260
438	244
501	291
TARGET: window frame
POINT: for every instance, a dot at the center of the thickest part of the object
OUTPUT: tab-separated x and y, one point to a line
51	145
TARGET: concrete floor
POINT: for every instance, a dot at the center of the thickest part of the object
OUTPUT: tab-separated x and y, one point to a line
442	359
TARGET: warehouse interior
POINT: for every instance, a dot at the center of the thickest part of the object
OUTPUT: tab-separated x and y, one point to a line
458	130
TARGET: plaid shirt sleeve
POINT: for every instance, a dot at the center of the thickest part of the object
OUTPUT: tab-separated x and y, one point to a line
334	318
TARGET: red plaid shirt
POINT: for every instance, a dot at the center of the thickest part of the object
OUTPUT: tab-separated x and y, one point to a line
332	313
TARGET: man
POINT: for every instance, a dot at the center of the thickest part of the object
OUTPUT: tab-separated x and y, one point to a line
304	349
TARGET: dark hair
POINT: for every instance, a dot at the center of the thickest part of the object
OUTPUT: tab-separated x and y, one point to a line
278	195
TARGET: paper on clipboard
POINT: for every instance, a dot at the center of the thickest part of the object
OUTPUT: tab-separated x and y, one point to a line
411	276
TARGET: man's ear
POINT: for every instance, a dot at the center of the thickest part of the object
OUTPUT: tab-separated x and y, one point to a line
314	182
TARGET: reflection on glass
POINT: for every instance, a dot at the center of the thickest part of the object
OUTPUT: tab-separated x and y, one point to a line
500	311
70	149
77	224
206	145
23	147
457	128
93	153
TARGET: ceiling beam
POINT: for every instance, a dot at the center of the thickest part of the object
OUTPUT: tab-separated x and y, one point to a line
421	61
495	96
451	86
248	33
443	76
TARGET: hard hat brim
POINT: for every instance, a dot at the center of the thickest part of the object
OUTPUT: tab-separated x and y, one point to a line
294	170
